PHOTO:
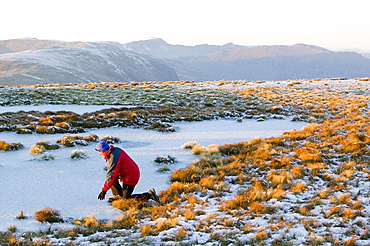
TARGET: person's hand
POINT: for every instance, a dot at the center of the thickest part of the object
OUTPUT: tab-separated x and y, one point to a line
102	195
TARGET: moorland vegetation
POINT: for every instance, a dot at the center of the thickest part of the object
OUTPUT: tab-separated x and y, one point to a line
306	187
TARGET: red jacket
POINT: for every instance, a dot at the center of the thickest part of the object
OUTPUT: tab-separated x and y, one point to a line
120	165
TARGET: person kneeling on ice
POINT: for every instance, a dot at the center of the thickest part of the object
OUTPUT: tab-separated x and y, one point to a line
121	167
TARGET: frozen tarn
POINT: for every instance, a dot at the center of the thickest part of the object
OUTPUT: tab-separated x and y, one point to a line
71	186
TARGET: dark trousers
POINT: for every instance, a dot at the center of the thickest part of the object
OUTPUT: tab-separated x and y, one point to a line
126	191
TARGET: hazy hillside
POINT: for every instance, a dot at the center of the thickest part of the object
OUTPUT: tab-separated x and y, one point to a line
44	62
262	51
276	62
325	65
19	45
159	48
366	55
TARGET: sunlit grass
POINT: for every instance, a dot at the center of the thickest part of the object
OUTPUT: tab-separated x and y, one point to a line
312	178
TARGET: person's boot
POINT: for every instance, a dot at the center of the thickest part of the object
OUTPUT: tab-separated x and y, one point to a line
115	198
154	196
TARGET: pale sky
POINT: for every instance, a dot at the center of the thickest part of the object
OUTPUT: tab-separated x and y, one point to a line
332	24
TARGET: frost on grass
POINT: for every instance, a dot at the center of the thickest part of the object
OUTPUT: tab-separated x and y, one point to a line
10	146
45	156
306	187
165	159
78	154
41	147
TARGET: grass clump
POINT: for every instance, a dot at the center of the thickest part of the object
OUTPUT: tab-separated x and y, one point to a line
124	221
47	157
90	221
72	141
12	228
129	204
41	147
110	139
21	216
78	154
48	215
163	169
165	159
189	145
10	146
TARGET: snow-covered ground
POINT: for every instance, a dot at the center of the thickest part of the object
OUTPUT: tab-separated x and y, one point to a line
71	186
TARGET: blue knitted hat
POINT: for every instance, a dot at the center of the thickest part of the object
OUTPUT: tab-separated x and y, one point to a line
102	146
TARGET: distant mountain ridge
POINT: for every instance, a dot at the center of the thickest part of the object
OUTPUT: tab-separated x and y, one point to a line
33	61
26	62
157	47
321	65
20	45
263	51
235	62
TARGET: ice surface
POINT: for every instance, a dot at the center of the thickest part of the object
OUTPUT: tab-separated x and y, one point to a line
71	186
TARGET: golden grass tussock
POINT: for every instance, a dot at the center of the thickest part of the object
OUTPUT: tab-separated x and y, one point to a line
239	202
316	166
124	221
261	235
5	146
343	198
159	211
211	183
285	162
175	190
64	125
351	242
37	149
198	149
325	193
297	135
90	221
279	177
258	208
185	175
128	204
276	193
308	155
349	213
299	187
334	211
147	230
192	199
42	146
48	215
264	151
165	224
254	194
358	205
349	165
189	145
348	173
189	214
351	145
304	210
298	171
